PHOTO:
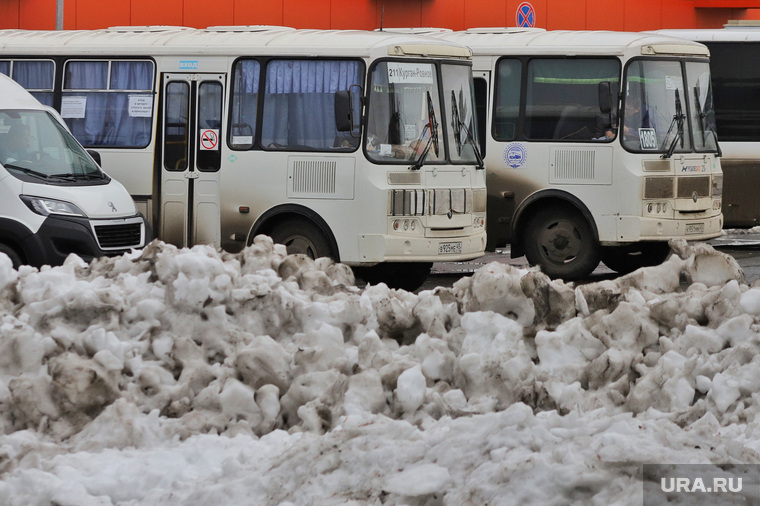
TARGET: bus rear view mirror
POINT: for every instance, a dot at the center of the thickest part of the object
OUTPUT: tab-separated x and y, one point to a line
605	97
608	100
343	111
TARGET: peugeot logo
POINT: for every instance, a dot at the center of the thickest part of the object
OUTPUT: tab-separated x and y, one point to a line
113	207
694	197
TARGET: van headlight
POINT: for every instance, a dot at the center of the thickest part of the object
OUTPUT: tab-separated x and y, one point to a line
46	207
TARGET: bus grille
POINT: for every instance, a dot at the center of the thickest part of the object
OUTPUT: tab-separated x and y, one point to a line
658	187
687	186
126	235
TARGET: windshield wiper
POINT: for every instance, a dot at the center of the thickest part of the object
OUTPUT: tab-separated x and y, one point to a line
36	173
417	165
458	125
706	126
471	140
83	175
432	140
678	118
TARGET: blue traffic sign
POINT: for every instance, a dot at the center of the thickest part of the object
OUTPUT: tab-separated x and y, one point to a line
526	15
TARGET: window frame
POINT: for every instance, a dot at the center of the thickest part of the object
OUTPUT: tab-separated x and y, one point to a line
67	91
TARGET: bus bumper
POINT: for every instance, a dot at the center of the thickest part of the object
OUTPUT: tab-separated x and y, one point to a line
632	228
375	248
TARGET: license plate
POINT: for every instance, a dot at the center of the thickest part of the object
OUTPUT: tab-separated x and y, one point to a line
449	248
695	228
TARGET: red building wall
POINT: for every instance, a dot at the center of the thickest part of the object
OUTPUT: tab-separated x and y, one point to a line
629	15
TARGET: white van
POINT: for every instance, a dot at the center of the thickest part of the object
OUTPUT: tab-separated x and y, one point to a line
54	199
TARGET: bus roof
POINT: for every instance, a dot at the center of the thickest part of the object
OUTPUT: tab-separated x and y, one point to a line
223	40
496	41
732	34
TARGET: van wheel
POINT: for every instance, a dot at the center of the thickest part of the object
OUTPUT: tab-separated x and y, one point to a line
12	254
301	236
561	242
407	276
625	259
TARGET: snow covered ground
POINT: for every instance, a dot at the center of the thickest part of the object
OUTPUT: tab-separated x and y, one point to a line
192	377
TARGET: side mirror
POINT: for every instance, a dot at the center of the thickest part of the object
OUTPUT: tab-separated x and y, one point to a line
95	156
344	116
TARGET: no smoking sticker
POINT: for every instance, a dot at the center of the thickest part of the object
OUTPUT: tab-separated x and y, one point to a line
209	140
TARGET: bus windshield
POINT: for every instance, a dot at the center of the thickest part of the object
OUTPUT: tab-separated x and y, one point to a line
33	143
405	113
668	112
459	103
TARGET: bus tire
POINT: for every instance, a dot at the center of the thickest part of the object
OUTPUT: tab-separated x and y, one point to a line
12	254
407	276
301	236
561	242
625	259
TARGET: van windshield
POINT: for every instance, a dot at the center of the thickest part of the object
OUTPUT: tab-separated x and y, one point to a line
35	144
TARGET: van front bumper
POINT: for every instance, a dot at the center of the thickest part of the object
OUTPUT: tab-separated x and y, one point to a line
59	236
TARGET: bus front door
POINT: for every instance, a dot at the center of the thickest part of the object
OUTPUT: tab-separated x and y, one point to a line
191	159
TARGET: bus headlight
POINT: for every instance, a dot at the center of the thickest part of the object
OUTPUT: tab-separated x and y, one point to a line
657	208
717	185
46	207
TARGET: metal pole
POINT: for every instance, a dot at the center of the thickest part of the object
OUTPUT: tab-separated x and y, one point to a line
59	14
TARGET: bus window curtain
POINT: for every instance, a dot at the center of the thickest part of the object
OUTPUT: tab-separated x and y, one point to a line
126	127
35	76
111	118
244	104
299	105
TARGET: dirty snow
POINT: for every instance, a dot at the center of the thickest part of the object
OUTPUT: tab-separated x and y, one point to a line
193	377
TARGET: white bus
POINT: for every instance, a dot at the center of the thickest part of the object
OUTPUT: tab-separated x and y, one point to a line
735	68
334	143
566	186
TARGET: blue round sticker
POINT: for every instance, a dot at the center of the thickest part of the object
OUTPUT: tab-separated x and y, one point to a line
515	155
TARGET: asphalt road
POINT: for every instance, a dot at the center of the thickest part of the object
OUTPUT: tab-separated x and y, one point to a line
742	245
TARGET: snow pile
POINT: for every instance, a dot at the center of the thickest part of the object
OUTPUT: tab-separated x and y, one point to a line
196	377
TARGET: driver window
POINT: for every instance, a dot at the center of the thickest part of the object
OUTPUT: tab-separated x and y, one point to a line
404	113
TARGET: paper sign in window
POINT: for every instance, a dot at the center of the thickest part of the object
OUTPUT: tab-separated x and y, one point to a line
140	106
73	107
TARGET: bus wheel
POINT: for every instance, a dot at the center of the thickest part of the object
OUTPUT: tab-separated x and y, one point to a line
301	236
625	259
407	276
561	242
12	254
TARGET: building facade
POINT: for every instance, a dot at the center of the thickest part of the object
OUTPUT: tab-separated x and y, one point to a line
627	15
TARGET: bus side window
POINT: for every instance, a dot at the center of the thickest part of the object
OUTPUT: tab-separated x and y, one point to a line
563	98
245	96
109	103
506	100
481	104
299	102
